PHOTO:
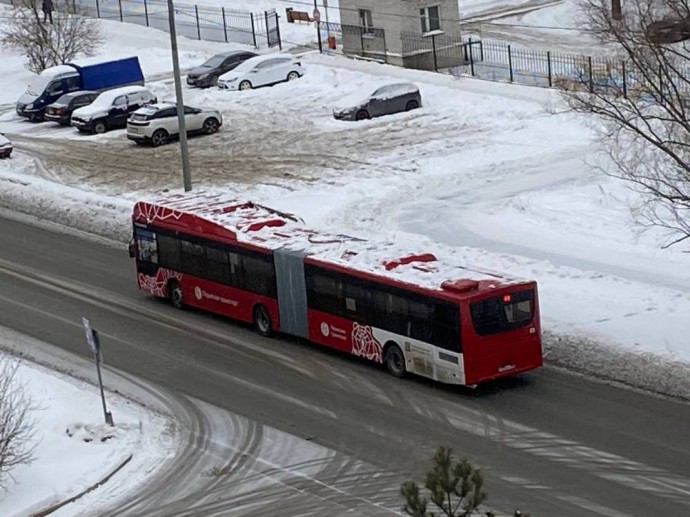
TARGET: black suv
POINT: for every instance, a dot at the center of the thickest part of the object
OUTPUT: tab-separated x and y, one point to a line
61	110
206	74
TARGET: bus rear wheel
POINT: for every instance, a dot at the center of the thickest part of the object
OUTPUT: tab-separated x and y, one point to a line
395	361
262	321
176	296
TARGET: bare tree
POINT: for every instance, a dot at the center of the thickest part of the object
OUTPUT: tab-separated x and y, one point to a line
642	106
17	428
49	41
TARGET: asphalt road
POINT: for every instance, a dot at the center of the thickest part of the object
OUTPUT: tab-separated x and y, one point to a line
548	442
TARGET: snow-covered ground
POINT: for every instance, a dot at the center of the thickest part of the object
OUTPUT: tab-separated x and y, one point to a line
484	173
74	447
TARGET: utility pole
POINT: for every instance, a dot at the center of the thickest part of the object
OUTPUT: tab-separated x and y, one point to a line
186	172
317	23
616	12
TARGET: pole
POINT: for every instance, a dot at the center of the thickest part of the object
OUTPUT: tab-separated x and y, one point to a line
510	63
616	12
318	30
280	40
548	64
433	46
97	354
186	172
225	26
146	12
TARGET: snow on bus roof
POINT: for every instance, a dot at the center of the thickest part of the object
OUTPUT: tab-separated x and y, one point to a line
254	224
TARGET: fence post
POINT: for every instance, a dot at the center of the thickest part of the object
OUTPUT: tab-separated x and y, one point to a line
268	30
361	41
225	27
481	50
385	47
146	12
471	57
591	77
196	13
510	64
548	66
119	3
625	82
98	10
251	17
433	48
280	40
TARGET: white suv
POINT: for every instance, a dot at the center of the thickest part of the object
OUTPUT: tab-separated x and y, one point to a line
157	124
263	70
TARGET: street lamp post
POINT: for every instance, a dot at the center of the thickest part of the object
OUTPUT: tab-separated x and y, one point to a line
186	172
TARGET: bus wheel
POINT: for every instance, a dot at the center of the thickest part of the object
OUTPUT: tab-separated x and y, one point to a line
262	321
175	295
395	361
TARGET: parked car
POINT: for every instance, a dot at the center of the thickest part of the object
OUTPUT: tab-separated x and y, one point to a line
157	123
86	74
5	147
668	31
264	70
111	109
61	110
382	99
206	74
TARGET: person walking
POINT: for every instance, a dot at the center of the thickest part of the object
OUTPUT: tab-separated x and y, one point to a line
47	7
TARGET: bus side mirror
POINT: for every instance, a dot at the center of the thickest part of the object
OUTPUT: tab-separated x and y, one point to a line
132	249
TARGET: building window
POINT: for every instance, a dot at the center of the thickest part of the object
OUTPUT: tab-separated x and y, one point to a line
365	20
431	18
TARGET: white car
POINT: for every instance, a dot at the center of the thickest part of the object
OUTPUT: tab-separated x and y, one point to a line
5	147
157	123
263	70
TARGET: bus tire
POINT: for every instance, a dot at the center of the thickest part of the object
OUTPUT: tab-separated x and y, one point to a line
175	294
262	321
395	360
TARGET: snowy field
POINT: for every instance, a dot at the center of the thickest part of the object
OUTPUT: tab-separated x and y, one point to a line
75	449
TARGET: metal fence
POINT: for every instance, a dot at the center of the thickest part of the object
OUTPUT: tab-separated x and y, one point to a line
499	61
192	21
366	42
432	52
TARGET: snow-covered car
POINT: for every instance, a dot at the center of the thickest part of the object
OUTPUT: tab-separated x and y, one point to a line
157	124
111	109
375	101
5	147
264	70
207	73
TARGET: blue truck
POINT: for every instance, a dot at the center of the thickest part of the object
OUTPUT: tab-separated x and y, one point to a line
91	75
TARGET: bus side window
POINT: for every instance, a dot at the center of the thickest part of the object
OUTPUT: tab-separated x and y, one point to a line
445	323
169	252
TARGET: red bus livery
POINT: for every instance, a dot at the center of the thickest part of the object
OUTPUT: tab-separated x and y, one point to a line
407	310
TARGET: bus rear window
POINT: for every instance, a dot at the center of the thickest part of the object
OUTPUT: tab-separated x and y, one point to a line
502	313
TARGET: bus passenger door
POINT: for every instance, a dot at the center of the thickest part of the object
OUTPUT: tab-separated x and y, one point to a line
146	251
292	293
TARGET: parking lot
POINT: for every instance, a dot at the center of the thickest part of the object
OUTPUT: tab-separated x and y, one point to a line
269	134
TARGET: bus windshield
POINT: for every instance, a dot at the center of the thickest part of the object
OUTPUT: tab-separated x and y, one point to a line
503	312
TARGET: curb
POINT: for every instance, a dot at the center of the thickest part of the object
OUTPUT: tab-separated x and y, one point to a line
59	505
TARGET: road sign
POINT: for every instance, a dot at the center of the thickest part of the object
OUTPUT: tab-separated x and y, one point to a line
89	336
316	15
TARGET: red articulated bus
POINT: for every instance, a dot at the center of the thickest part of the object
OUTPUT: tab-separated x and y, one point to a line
407	310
